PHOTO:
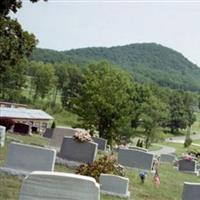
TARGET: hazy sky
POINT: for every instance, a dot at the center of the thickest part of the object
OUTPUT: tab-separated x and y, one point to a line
63	25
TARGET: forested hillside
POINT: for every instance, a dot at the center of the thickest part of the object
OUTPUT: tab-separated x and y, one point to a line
148	62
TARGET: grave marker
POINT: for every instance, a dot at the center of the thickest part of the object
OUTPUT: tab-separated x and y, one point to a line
56	185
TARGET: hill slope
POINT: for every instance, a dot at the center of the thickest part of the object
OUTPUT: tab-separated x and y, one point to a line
149	62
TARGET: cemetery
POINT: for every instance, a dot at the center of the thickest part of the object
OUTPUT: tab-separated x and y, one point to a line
84	117
37	167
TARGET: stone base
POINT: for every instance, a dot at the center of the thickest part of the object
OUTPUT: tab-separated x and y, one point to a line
14	172
189	172
68	163
116	194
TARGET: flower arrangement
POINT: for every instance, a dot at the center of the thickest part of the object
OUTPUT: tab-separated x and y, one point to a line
82	136
105	164
188	157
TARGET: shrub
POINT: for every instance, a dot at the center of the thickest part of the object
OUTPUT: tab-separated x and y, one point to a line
188	142
105	164
7	122
82	136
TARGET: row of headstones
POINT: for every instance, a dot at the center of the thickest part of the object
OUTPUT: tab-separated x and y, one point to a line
54	185
27	158
86	152
23	159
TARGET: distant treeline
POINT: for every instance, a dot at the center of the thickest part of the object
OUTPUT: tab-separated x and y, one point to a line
104	97
148	62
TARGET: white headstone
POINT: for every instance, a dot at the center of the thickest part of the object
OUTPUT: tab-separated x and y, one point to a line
59	186
23	159
2	135
191	191
167	158
114	185
135	159
138	148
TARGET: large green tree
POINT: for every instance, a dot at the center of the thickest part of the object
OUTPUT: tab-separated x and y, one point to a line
177	112
104	102
69	78
153	113
15	43
43	79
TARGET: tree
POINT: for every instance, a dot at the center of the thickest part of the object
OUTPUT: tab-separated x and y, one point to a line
153	114
177	112
69	78
141	95
11	5
13	81
43	79
15	43
104	99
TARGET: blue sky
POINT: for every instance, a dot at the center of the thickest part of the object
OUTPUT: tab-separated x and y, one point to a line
64	25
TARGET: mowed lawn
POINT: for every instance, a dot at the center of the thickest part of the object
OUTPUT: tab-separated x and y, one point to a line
170	188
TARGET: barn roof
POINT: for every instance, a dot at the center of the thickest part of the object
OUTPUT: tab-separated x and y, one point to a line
24	113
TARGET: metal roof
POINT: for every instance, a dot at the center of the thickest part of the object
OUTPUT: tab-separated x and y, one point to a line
24	113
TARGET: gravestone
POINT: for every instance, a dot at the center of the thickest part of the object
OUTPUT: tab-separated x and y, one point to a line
114	185
191	191
21	128
23	159
135	159
188	166
2	136
74	150
138	148
102	143
56	185
48	133
59	134
167	158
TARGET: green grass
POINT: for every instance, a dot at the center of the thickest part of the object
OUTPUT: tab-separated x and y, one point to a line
65	118
154	147
179	148
196	125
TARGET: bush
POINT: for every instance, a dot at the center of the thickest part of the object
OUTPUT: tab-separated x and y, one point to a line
6	122
188	142
105	164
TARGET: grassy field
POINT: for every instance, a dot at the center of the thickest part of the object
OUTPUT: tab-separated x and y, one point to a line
171	180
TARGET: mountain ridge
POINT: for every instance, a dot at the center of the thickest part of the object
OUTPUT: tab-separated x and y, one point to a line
149	62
